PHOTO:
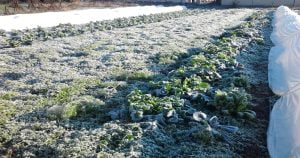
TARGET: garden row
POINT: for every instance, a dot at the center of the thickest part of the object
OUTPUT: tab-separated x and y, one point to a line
211	80
26	37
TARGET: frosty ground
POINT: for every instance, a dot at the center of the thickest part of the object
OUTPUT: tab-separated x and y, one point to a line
113	63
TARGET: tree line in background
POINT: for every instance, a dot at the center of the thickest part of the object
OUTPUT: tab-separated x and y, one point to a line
15	5
21	6
28	6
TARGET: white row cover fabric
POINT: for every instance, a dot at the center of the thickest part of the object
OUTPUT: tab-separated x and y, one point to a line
49	19
284	80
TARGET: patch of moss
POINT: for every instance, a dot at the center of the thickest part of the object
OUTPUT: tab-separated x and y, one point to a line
67	93
7	109
167	58
134	76
83	106
204	136
8	95
53	137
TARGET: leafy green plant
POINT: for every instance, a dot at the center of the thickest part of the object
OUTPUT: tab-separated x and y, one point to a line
196	77
152	105
68	103
203	136
241	81
14	43
235	100
259	41
27	39
7	110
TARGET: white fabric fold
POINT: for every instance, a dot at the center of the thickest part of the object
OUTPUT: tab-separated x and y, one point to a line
284	80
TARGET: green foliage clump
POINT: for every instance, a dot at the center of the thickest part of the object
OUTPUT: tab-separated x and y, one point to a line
235	100
197	77
203	62
83	106
7	109
150	104
116	138
134	76
8	95
259	41
180	86
166	58
14	43
24	39
204	136
68	93
68	102
241	81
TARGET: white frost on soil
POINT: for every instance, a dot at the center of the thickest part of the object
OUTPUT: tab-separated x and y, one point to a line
48	19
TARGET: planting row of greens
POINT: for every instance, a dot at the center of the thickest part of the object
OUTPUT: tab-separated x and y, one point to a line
26	37
210	79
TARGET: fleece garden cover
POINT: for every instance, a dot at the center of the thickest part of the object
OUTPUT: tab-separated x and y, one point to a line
284	80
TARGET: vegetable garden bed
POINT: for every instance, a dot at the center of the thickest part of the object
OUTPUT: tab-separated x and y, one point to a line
163	88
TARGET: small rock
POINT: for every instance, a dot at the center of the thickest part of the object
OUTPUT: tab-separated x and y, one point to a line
173	116
213	121
194	95
252	112
171	113
234	44
199	116
249	115
217	75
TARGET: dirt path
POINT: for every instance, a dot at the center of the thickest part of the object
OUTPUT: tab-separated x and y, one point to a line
255	60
